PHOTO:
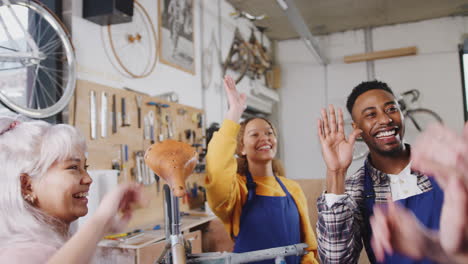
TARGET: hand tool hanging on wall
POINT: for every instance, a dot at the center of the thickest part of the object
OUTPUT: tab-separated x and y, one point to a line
169	124
124	113
114	114
140	170
103	114
124	161
93	117
200	120
139	99
197	118
149	126
190	136
144	173
159	121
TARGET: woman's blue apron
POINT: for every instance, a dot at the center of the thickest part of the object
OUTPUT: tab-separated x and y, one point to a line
267	222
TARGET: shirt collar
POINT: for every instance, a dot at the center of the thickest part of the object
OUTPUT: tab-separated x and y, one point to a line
381	177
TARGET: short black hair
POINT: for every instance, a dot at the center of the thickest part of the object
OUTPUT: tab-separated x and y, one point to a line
364	87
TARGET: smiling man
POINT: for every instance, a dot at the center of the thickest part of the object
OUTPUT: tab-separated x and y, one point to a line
347	205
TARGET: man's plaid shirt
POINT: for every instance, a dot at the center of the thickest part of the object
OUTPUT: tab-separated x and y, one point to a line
340	228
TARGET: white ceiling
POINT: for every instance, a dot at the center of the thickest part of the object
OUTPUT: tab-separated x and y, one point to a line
327	16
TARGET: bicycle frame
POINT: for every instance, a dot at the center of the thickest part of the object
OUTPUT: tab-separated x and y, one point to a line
26	58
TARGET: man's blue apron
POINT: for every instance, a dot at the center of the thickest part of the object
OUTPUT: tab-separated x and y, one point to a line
426	207
268	221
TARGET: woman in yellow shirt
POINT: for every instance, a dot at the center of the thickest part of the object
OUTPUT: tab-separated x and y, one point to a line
259	207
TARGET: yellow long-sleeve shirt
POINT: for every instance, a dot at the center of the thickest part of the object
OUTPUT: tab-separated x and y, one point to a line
227	190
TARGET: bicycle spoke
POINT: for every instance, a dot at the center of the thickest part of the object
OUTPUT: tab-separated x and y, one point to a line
46	93
54	77
51	69
36	95
44	34
11	49
38	28
36	70
50	46
50	73
57	84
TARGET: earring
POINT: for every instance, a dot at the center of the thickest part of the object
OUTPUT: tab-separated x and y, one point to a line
30	198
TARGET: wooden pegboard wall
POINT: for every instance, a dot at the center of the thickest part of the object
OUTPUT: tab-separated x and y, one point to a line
102	151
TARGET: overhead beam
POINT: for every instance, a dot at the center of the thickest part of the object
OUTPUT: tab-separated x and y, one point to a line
298	23
383	54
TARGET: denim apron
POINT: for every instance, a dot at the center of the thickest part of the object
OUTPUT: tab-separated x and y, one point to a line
426	207
268	221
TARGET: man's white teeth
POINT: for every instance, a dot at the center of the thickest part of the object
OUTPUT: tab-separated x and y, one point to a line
386	133
264	147
81	195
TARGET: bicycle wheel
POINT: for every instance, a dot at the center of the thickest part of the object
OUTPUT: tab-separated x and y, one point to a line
238	60
133	44
37	83
417	120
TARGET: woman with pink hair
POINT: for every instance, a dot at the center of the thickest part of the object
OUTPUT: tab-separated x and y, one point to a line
44	188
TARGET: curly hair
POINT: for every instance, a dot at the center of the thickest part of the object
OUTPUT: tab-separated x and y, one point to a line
362	88
242	164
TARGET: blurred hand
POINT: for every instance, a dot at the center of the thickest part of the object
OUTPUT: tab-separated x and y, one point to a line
337	151
441	153
397	229
116	208
454	218
237	101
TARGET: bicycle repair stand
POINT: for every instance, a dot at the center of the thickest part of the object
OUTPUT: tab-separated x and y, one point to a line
180	249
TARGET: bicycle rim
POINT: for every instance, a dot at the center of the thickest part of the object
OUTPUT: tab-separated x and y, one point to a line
40	88
238	61
417	120
130	56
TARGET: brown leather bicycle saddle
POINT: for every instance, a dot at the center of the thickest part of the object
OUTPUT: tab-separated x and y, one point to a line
173	161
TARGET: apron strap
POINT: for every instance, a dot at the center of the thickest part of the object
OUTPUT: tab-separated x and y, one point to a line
285	190
251	186
368	211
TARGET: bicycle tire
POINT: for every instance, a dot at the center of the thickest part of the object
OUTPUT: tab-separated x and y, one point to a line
60	99
422	124
239	47
417	120
152	65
